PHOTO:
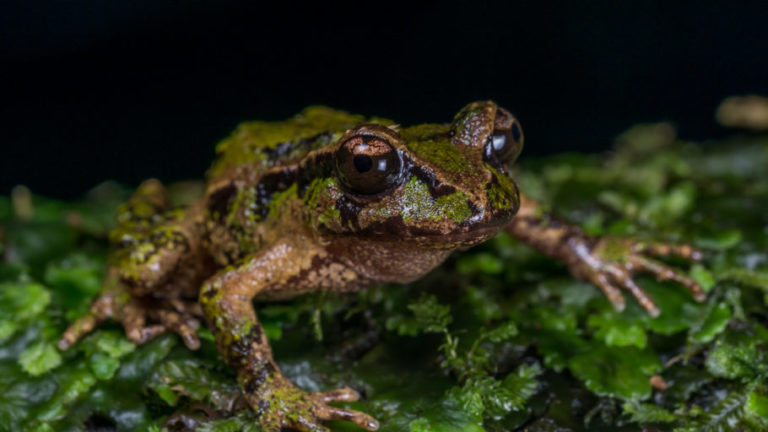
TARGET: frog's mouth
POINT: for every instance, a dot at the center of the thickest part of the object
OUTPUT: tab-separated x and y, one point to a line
441	233
475	230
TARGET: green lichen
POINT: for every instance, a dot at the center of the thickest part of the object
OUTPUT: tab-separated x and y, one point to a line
455	206
241	218
280	201
242	328
318	200
418	204
502	195
444	156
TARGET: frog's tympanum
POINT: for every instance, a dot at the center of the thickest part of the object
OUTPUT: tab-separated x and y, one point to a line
329	201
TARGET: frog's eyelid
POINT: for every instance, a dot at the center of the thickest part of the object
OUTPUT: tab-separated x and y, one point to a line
394	127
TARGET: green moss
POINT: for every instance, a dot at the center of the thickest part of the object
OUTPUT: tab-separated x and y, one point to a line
279	201
443	155
502	195
454	206
417	202
318	199
420	205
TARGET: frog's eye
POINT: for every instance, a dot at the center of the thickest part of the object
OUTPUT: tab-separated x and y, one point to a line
367	164
506	141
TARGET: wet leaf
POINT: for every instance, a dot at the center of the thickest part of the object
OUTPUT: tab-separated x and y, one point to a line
621	372
39	358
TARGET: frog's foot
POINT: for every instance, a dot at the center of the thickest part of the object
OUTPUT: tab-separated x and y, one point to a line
285	406
165	316
610	263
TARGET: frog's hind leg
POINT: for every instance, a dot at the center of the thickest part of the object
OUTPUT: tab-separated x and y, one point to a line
156	264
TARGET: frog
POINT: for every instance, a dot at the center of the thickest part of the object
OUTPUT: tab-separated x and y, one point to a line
329	201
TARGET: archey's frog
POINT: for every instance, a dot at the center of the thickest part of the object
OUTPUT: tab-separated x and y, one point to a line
329	201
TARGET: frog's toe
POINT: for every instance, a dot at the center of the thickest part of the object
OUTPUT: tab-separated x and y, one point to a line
666	273
623	278
185	325
609	289
100	311
140	334
345	394
660	249
164	320
325	412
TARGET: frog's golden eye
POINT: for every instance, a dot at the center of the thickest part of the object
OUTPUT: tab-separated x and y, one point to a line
367	164
506	141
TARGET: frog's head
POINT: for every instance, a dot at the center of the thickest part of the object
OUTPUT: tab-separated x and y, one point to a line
438	185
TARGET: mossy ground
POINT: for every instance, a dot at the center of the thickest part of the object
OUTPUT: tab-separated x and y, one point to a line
499	338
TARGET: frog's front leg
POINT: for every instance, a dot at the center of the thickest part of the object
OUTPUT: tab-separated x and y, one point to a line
283	270
153	271
607	262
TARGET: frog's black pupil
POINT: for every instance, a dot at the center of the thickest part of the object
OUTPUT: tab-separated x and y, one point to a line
516	134
363	163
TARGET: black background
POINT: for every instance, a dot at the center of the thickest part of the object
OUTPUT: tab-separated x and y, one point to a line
129	89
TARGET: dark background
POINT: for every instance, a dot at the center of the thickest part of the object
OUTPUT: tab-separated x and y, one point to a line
128	89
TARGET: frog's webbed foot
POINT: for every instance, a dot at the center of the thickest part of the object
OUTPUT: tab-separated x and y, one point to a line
142	319
284	405
610	263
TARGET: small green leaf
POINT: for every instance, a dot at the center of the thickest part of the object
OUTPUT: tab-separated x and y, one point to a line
429	316
114	344
720	241
480	263
715	322
618	328
648	413
103	366
20	302
523	382
445	416
757	405
621	372
757	279
735	355
191	378
39	358
74	384
502	332
166	393
678	310
704	277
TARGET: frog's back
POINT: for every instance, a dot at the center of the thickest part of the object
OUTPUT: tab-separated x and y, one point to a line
257	146
253	182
